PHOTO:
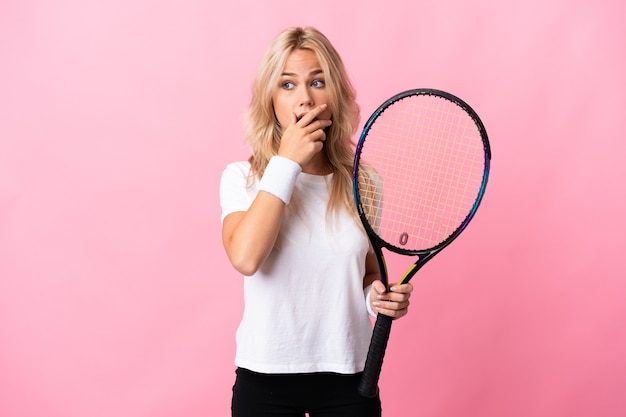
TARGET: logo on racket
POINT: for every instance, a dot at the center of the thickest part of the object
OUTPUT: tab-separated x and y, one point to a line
404	238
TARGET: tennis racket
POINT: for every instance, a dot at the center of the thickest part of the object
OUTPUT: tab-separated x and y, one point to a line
420	172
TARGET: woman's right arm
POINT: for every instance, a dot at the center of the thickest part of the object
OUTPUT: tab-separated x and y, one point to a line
249	236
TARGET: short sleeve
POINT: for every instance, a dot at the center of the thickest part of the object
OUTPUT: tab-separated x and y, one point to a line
236	194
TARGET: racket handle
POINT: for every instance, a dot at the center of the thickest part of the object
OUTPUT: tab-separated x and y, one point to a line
374	362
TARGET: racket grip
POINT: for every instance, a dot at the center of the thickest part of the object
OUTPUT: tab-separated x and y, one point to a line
374	362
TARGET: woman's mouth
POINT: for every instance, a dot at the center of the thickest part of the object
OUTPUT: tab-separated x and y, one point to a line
299	117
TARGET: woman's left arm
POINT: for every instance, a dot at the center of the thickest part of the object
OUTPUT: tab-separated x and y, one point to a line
393	303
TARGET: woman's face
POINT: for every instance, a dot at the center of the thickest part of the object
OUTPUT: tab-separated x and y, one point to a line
301	88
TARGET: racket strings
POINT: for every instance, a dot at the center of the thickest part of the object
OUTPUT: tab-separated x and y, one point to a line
423	161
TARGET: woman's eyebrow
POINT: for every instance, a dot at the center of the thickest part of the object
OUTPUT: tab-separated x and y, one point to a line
292	74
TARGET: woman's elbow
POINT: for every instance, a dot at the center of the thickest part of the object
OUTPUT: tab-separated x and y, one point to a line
245	265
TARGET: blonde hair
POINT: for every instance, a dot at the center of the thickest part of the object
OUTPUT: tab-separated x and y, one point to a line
264	131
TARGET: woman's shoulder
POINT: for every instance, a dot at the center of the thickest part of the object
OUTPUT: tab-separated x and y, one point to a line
242	167
236	174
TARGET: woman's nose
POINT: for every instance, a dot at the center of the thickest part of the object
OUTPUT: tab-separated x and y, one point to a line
306	99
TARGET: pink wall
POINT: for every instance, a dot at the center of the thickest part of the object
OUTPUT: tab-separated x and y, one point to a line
117	117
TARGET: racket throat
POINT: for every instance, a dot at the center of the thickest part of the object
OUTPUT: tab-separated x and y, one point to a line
416	267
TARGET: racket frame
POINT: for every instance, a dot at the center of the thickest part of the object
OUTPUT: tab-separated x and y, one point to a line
382	327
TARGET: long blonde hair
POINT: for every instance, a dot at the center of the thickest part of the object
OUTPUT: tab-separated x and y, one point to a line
264	131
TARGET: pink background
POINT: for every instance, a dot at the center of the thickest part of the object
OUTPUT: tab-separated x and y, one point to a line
117	117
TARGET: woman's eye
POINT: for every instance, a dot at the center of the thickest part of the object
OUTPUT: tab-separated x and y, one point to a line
287	85
318	83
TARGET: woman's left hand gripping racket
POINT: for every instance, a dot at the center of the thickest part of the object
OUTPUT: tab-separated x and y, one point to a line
419	174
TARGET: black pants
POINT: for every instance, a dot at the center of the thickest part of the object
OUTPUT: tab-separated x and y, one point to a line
293	395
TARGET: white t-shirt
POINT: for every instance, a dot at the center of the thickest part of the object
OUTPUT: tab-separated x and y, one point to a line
304	308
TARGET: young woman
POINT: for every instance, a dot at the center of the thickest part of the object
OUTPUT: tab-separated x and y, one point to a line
290	227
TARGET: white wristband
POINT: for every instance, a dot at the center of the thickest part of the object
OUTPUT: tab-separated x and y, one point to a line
367	291
279	177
